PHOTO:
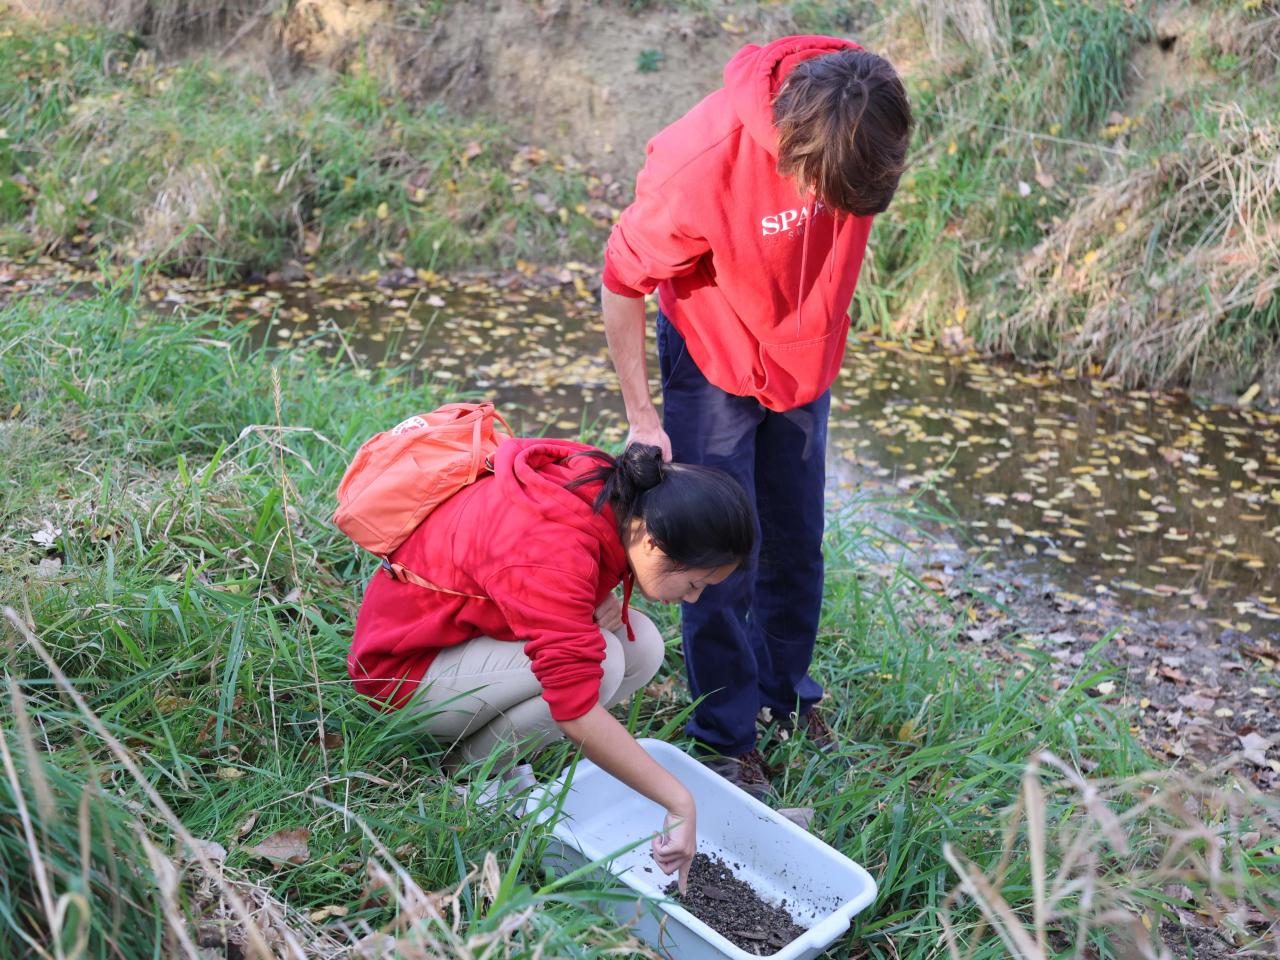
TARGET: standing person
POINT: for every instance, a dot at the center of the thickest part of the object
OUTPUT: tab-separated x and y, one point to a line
521	639
751	218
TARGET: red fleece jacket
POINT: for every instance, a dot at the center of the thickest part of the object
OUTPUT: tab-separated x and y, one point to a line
540	555
756	277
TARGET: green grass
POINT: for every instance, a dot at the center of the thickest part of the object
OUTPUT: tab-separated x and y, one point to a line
202	609
997	104
218	170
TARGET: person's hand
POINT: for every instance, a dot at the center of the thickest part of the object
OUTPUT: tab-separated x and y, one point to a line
651	432
675	846
609	614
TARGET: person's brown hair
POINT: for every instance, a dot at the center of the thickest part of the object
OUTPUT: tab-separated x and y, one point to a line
844	123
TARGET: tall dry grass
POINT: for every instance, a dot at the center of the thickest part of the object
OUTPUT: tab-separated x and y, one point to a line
1149	268
1094	183
1135	863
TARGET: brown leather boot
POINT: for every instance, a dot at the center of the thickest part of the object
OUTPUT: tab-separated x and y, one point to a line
748	772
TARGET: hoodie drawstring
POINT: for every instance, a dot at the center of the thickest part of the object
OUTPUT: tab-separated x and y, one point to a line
807	227
836	224
628	581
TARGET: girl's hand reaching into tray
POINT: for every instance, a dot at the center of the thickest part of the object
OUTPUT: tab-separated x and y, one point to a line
675	846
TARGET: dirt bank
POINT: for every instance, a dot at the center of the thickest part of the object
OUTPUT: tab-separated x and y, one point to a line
593	80
1107	205
586	78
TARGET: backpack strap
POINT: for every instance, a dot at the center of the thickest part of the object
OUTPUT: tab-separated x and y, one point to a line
398	572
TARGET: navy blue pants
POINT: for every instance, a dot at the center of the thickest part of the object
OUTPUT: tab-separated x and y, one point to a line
748	642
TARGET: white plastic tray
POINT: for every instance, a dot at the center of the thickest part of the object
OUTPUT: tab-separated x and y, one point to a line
823	889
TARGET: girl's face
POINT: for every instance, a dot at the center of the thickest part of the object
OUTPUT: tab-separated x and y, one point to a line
658	580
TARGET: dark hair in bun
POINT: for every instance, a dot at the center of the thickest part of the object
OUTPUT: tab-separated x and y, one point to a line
700	517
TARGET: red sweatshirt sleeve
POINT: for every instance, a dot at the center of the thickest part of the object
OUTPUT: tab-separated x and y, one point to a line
555	612
647	245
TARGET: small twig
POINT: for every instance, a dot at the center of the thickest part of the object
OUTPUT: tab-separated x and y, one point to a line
248	25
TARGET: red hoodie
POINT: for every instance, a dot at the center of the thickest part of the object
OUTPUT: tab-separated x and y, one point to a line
757	281
539	553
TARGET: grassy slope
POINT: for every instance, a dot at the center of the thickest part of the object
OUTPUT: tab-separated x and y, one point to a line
214	169
202	607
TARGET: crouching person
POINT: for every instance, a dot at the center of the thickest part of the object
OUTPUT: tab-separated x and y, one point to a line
512	634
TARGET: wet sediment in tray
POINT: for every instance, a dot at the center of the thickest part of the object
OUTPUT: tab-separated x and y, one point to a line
733	909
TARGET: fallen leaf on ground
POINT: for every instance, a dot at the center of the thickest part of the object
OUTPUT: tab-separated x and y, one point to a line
1255	749
332	910
802	817
47	535
287	846
210	848
1193	701
982	633
332	741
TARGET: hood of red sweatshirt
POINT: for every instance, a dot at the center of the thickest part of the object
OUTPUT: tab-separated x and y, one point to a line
755	74
755	275
530	475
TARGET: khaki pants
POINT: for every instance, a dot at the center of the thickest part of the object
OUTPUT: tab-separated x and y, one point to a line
483	692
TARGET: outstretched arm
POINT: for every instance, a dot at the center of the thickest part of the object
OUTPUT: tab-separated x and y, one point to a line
606	742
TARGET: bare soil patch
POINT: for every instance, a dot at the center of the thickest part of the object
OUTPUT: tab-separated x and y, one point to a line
593	79
566	73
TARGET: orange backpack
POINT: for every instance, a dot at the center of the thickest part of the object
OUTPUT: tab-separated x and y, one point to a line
402	474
